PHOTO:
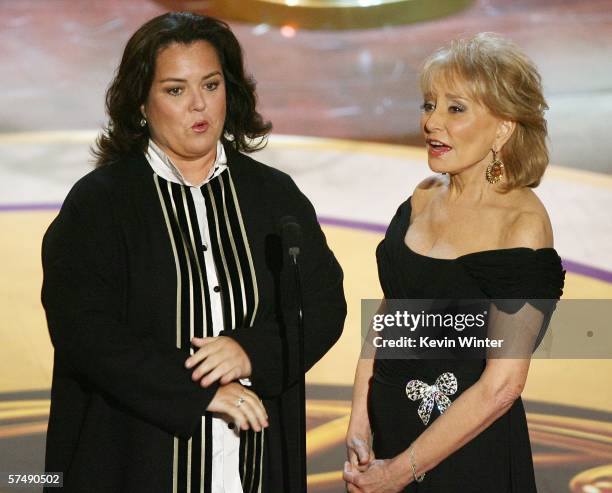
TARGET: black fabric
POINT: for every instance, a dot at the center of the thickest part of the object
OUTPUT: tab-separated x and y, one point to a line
120	391
499	459
193	317
239	295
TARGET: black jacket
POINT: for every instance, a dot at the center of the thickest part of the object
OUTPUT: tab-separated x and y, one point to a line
121	398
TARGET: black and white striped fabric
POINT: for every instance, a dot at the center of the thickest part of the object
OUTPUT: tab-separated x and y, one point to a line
192	458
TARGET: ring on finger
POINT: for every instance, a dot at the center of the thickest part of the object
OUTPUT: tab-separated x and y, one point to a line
240	401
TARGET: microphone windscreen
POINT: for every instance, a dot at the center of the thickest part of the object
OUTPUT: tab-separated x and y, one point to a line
291	232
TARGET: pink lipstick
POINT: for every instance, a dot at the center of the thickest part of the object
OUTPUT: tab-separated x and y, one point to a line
437	148
200	127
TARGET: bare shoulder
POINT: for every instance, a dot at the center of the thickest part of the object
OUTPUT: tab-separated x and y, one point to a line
427	189
530	226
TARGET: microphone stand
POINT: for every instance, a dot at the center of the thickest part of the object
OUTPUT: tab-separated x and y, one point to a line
291	235
294	252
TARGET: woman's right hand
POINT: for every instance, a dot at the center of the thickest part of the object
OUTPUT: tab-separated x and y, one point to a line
359	445
242	405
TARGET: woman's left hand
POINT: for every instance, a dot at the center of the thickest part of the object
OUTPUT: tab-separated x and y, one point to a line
378	478
218	358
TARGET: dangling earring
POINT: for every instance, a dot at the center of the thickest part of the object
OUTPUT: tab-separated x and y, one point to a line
495	170
143	122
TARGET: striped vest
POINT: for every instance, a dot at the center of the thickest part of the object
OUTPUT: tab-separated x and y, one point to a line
192	458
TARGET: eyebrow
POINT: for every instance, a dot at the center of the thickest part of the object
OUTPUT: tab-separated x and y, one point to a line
448	95
456	96
175	79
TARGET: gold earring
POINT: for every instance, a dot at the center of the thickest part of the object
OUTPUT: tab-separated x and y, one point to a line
495	170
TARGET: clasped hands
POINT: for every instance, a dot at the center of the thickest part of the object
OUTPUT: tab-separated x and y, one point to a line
363	473
222	359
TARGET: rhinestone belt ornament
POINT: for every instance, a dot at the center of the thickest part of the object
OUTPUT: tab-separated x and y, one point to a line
446	384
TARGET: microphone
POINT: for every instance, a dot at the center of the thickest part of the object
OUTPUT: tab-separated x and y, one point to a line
291	234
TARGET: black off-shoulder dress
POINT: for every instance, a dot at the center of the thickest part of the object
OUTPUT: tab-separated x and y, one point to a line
499	459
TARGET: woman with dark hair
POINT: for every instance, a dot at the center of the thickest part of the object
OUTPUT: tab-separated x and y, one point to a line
475	232
168	297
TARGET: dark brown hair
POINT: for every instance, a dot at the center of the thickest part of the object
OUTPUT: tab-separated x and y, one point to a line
244	127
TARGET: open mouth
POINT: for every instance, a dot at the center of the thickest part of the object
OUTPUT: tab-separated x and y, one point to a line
437	147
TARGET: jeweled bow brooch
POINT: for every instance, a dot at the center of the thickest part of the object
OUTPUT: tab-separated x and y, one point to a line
446	384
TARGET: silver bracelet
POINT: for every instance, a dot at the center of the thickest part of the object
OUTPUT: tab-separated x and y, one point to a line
420	478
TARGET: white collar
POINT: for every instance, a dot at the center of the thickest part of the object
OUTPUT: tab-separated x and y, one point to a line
164	167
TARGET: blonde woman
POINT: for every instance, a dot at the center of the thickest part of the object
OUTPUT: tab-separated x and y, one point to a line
474	230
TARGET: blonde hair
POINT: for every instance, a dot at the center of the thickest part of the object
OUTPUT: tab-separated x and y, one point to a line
502	78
